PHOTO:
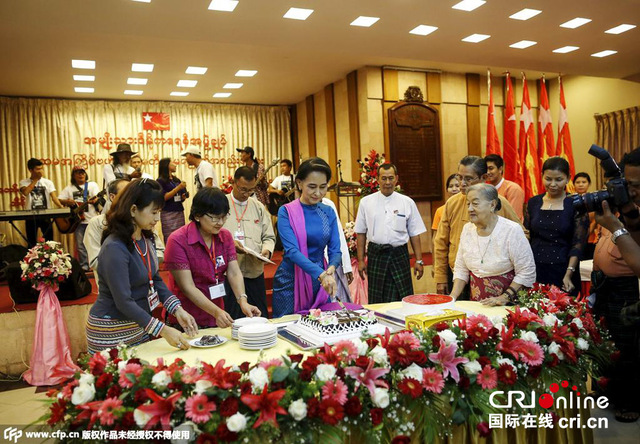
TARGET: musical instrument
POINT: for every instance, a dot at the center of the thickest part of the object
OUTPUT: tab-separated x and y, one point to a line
9	216
276	200
343	188
262	176
69	224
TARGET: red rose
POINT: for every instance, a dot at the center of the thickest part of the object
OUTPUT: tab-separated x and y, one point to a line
244	367
229	406
362	362
484	361
313	407
468	344
376	416
114	391
483	429
464	382
207	438
419	357
401	439
435	341
175	386
296	358
141	397
353	406
331	411
60	278
535	371
127	421
554	360
441	326
493	332
372	342
245	388
134	361
113	353
311	363
104	380
603	382
305	375
226	435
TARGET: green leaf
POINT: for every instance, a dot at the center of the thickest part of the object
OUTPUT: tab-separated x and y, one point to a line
459	417
280	374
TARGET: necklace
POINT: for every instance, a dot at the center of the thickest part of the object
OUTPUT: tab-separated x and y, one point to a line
486	248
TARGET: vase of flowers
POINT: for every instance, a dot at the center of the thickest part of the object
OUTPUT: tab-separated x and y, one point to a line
227	185
46	266
369	173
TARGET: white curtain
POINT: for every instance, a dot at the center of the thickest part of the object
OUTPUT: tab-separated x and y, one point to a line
64	133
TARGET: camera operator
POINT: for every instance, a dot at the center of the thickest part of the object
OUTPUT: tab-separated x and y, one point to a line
616	265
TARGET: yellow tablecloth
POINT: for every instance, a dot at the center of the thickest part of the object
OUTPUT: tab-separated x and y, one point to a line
233	354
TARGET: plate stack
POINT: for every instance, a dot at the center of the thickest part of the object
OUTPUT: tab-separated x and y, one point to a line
257	336
245	321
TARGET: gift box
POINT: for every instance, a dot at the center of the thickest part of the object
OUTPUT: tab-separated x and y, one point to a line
424	320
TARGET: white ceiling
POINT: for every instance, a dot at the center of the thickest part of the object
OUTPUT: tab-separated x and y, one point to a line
38	39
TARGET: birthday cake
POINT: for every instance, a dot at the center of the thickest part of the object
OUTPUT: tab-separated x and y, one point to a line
329	324
426	303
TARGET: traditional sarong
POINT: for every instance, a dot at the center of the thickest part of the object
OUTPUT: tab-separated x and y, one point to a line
388	273
490	286
171	221
104	334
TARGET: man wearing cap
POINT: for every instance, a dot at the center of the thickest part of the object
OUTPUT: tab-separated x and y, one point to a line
205	174
119	168
80	191
247	156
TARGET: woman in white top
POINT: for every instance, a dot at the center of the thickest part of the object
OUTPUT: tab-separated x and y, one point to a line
494	255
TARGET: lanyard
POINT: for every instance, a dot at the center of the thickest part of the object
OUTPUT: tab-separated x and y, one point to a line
239	218
147	263
212	256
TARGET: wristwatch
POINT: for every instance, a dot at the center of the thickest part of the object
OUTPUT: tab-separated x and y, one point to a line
243	295
616	234
421	262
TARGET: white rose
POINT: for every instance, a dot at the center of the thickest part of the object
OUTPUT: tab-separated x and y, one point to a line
190	430
237	423
379	355
258	377
161	380
141	418
325	372
529	336
380	398
298	409
582	344
472	367
555	349
83	394
448	337
201	386
105	354
550	320
87	378
413	371
496	320
578	322
121	365
361	346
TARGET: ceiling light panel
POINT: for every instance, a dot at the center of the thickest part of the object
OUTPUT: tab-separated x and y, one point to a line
620	29
298	13
233	85
475	38
566	49
468	5
179	93
222	95
575	23
525	14
133	92
423	30
196	70
523	44
364	21
187	83
80	78
246	73
142	67
223	5
80	89
83	64
136	81
142	1
604	53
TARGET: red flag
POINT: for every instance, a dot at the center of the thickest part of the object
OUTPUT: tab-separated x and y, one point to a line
563	149
527	145
512	168
155	121
546	145
493	142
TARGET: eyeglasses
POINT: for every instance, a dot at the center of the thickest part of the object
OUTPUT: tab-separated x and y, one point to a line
218	220
466	179
248	191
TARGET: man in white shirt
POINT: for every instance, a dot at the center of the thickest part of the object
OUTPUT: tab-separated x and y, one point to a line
389	220
205	174
81	191
119	168
284	182
136	164
40	192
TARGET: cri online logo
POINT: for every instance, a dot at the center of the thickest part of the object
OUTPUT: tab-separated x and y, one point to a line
546	400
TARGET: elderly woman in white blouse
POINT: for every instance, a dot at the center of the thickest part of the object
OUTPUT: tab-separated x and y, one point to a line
494	255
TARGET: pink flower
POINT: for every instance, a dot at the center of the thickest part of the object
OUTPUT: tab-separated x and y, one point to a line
336	391
107	409
531	353
276	362
432	380
446	357
199	408
368	377
488	378
129	369
189	375
346	348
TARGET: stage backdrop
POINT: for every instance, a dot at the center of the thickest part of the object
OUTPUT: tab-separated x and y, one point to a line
64	133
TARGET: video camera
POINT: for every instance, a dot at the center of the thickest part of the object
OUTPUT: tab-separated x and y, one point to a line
616	188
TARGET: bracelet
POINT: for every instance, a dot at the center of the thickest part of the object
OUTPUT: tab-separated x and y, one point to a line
243	295
512	294
571	269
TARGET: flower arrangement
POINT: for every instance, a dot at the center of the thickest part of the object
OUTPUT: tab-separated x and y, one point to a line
384	388
227	186
46	263
352	238
369	173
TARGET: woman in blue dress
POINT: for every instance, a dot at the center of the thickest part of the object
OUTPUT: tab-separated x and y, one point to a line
304	280
558	234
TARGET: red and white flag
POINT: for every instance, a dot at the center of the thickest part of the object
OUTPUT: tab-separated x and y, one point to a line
512	167
563	148
493	141
527	145
155	121
546	144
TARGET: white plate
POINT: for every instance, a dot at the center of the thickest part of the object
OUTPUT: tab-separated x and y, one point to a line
195	342
257	347
248	321
257	330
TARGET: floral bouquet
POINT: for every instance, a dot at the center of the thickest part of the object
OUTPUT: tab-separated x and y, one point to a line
46	263
352	237
226	186
369	173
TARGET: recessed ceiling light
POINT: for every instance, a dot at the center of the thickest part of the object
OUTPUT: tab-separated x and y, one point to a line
142	67
475	38
468	5
222	95
136	81
575	23
566	49
142	1
79	78
179	93
133	92
83	64
525	14
298	13
246	73
233	85
198	70
223	5
604	53
620	29
423	30
80	89
364	21
522	44
187	83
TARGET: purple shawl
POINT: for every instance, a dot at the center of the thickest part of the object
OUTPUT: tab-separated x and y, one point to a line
303	299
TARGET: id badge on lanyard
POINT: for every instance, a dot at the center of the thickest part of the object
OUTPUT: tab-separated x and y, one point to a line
152	296
215	291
